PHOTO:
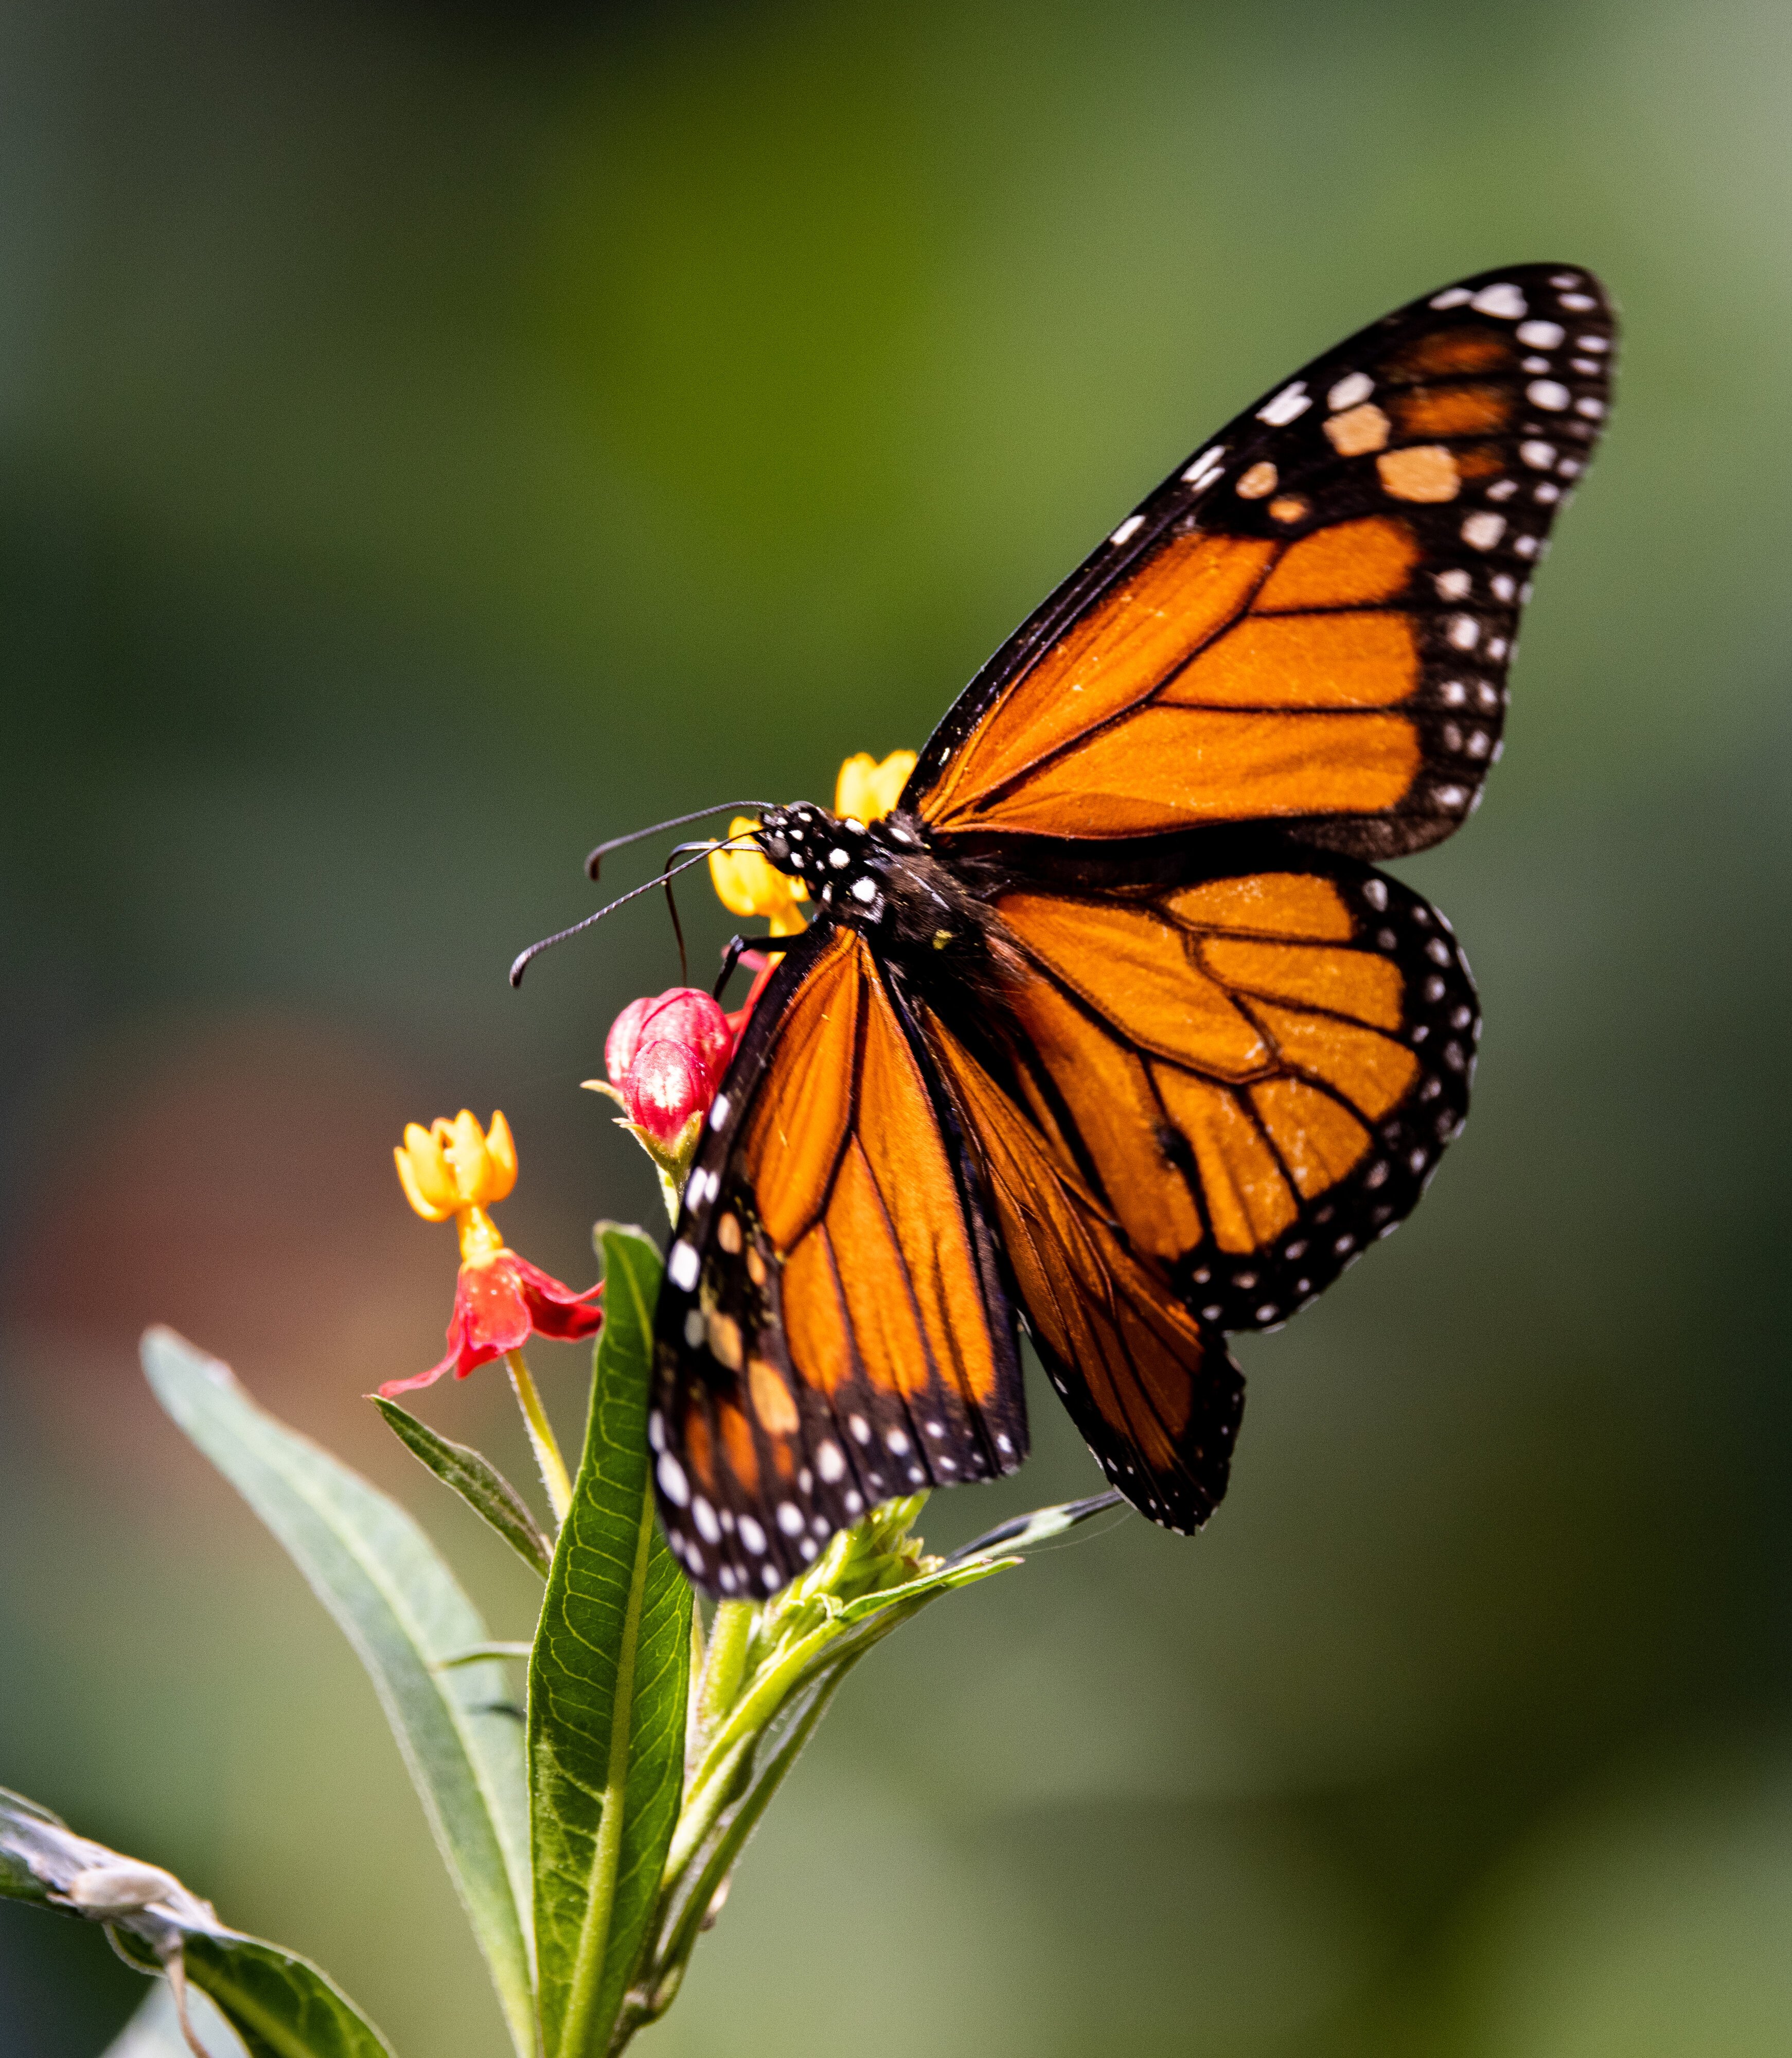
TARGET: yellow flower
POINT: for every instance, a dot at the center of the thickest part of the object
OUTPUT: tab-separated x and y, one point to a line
748	884
456	1168
866	789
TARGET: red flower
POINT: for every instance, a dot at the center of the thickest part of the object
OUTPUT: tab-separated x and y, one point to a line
500	1301
455	1168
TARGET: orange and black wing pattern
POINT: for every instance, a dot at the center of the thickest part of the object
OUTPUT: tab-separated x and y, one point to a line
1257	1072
1310	622
1150	1385
833	1330
1194	1109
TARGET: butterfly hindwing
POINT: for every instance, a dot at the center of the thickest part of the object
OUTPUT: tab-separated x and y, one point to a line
1151	1388
832	1331
1311	621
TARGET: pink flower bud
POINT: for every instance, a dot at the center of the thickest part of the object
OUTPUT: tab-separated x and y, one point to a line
666	1085
684	1015
624	1039
681	1014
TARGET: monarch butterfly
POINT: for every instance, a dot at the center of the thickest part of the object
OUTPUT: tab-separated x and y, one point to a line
1111	1025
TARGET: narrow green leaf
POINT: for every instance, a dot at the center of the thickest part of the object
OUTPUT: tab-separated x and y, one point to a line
280	2005
404	1611
476	1479
607	1688
480	1653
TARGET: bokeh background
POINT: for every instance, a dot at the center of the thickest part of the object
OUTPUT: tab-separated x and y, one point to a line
433	437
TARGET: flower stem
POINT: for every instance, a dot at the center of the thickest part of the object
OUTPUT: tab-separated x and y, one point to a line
541	1435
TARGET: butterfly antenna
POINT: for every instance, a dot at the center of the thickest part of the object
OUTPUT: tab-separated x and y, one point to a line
595	861
525	958
678	850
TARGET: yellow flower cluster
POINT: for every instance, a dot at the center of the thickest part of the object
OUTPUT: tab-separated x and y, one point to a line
453	1167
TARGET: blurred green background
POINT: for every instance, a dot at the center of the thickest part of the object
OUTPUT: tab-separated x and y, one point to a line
431	438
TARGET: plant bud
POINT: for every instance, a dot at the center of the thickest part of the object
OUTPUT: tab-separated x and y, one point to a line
666	1086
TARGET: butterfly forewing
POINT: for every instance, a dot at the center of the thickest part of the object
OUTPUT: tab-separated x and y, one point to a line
1311	621
832	1331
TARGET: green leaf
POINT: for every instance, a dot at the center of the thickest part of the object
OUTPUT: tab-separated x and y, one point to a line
404	1611
476	1479
280	2005
607	1688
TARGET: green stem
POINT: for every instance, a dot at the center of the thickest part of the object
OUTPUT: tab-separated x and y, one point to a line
668	1965
541	1436
729	1636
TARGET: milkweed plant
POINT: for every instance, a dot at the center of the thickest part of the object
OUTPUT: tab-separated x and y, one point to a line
592	1831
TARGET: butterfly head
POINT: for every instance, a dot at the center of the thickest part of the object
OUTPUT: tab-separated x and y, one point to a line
844	864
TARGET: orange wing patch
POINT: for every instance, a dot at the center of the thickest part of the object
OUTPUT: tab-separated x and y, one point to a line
1347	566
1454	350
800	1123
1319	1141
1171	1007
1248	1200
1171	768
1236	1016
1184	596
1353	983
1134	723
1454	411
1371	1070
852	1185
1313	660
1277	904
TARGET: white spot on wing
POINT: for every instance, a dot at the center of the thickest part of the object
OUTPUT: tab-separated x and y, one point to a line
682	1265
1549	393
1287	405
1483	531
672	1483
1352	388
1503	300
1128	529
